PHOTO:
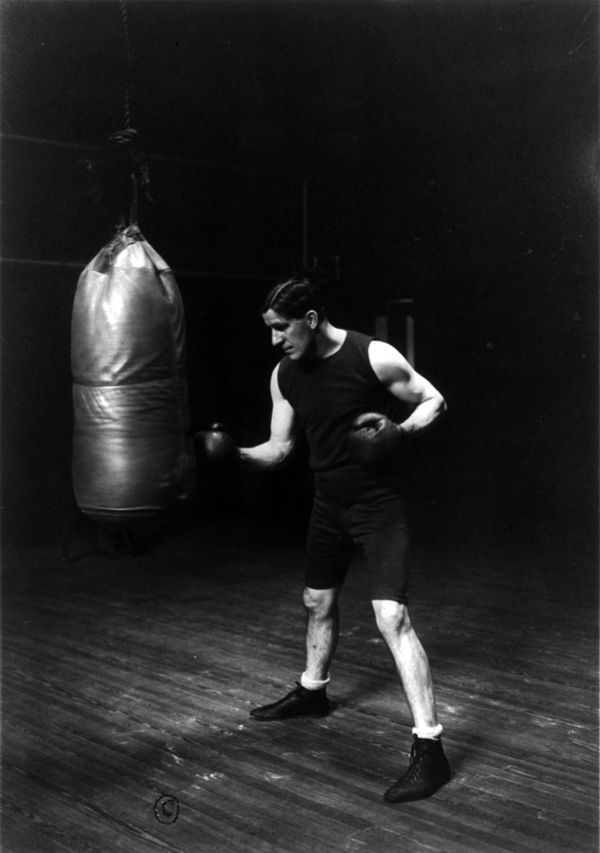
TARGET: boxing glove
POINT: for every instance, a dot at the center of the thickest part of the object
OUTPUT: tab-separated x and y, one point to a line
374	440
214	444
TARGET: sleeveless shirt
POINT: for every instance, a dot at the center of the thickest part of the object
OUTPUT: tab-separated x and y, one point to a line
326	395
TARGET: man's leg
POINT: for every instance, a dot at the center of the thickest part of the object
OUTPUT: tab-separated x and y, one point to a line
328	554
322	631
428	769
411	661
309	698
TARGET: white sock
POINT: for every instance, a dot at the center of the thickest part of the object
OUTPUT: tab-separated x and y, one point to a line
312	683
428	732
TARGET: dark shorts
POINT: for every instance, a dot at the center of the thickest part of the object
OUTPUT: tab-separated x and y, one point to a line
378	524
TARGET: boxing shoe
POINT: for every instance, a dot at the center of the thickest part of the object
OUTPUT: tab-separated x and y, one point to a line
428	770
300	702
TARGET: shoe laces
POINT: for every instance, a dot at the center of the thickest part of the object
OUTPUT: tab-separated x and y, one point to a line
420	758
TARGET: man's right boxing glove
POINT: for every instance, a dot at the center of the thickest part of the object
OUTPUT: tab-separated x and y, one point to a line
374	440
214	444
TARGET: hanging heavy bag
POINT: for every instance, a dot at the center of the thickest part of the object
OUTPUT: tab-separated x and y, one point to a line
133	457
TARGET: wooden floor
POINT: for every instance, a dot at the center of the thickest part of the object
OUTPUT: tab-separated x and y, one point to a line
127	680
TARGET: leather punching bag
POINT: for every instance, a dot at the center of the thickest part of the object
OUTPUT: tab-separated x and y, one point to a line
133	457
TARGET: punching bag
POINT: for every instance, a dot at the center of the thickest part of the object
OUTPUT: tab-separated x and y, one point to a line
133	458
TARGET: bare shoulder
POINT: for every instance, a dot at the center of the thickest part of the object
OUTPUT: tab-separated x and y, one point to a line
275	390
399	377
387	362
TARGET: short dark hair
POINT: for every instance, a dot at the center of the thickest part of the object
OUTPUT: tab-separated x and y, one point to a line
295	296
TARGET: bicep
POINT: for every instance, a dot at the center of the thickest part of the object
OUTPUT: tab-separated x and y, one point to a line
398	376
283	417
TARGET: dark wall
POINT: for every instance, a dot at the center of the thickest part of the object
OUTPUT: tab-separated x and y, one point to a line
451	156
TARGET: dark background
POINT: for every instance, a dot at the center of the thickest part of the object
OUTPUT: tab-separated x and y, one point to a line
451	157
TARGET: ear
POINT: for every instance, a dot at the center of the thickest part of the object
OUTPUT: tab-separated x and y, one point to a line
312	318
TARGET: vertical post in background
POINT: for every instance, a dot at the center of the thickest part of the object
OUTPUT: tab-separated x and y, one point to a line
382	328
410	335
397	326
305	223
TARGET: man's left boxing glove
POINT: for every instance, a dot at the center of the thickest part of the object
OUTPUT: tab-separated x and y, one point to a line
374	440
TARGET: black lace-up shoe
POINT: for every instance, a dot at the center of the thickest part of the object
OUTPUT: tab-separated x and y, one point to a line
428	770
298	703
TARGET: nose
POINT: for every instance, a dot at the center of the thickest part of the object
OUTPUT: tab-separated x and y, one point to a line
275	337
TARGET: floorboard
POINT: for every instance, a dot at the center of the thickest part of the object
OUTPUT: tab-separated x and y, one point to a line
129	679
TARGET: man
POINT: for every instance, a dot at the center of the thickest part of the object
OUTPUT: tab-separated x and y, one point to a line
347	392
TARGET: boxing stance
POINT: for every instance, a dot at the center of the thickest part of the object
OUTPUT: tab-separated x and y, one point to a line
350	394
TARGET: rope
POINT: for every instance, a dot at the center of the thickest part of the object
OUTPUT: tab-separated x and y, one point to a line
128	87
124	172
125	168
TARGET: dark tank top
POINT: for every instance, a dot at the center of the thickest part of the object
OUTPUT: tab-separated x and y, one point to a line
326	395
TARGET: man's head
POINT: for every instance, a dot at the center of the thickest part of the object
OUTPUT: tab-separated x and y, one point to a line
294	311
293	297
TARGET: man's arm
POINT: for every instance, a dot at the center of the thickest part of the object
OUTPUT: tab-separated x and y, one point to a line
401	380
274	452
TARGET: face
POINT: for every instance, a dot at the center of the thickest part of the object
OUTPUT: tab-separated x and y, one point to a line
296	337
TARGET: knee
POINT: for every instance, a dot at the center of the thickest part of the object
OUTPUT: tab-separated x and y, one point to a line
319	603
392	617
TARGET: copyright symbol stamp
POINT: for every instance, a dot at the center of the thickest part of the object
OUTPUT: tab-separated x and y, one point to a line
166	809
